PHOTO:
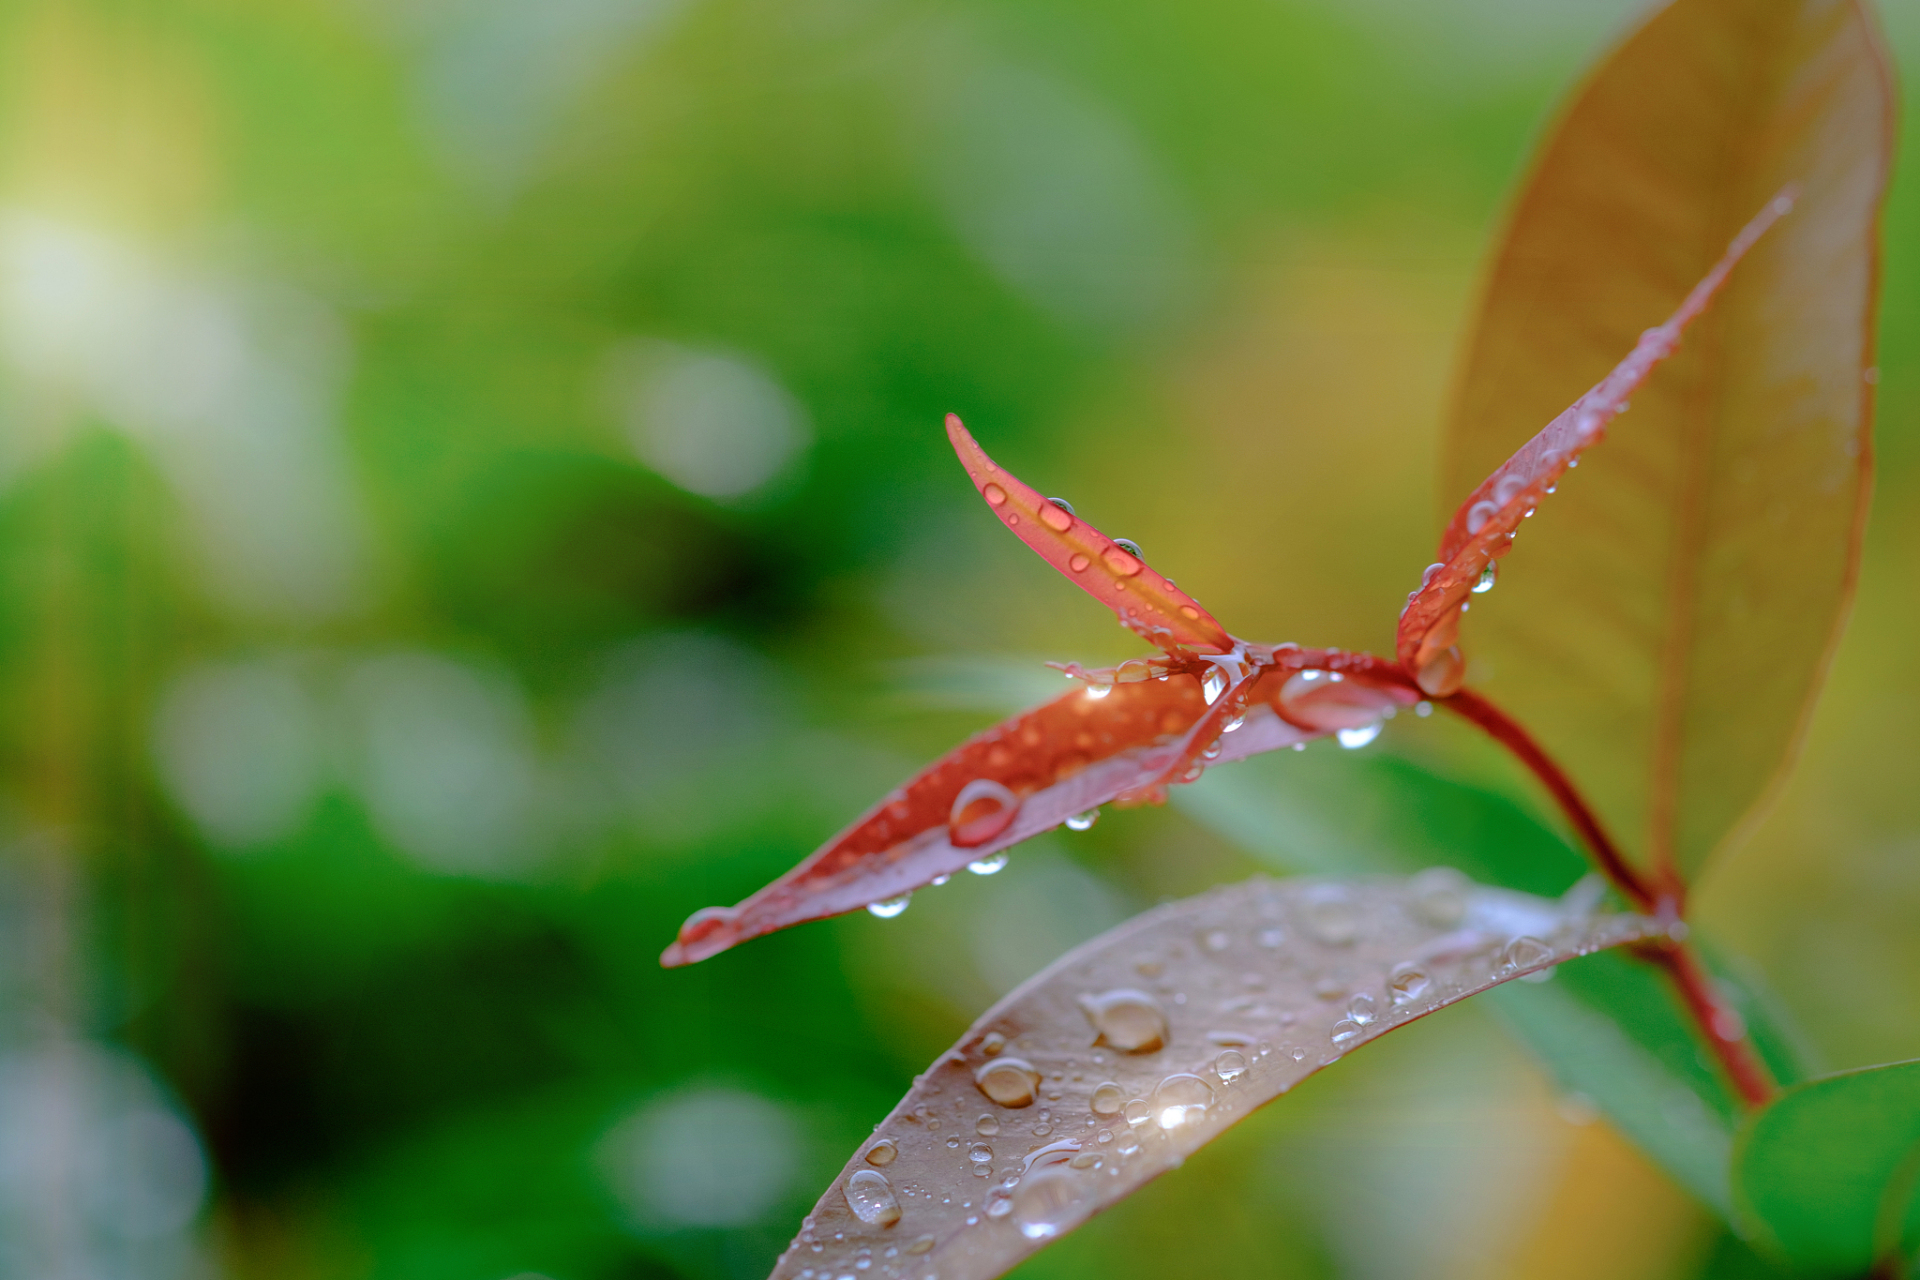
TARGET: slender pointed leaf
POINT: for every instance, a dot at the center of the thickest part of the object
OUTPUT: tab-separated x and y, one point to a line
1666	628
1826	1173
1146	602
1129	1053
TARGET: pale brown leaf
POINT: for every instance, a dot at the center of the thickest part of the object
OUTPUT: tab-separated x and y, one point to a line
1132	1051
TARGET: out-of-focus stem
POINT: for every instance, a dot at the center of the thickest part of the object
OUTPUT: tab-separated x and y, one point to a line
1719	1025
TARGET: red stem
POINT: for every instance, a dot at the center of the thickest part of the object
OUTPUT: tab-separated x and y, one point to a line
1719	1025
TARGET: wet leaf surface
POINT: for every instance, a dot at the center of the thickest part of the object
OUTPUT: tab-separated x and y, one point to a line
1122	1058
1666	626
1826	1174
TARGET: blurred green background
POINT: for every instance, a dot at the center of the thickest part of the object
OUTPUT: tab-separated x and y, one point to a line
472	492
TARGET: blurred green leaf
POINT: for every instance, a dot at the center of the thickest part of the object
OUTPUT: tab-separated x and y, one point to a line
1826	1173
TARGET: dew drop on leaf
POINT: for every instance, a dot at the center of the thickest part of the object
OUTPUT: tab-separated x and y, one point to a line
1230	1066
1078	562
1213	684
994	494
1362	1009
871	1198
1063	505
1407	982
1129	546
986	1126
1137	1111
882	1152
1107	1099
983	809
1178	1098
1487	576
1083	821
1128	1020
988	866
980	1153
1524	952
1354	739
1047	1202
1011	1082
890	907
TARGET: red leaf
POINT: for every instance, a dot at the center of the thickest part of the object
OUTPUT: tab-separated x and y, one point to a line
1147	603
1483	528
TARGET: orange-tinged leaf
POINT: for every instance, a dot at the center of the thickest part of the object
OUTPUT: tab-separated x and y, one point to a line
1483	528
1665	628
1132	1051
1146	602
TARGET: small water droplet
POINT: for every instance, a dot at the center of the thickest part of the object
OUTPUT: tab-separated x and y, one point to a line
982	810
1097	689
1525	952
980	1153
1213	684
1042	1130
1137	1111
890	907
1332	916
986	1126
992	1043
1180	1099
1108	1098
1078	562
1354	739
1478	515
1407	982
988	866
1362	1008
940	880
1423	708
1345	1032
1054	517
1047	1202
1230	1066
1234	723
1011	1082
882	1152
1083	821
871	1198
1128	1020
994	494
921	1244
1487	576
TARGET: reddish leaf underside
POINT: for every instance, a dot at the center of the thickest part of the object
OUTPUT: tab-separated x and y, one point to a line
1485	525
1146	602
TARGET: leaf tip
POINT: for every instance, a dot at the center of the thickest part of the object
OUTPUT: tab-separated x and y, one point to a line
707	933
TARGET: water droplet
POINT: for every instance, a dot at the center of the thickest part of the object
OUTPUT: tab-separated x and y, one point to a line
1487	576
1054	518
921	1244
1354	739
1097	689
1216	940
1127	1145
1345	1032
1137	1111
1234	723
994	494
980	1153
1478	514
1332	916
1107	1099
1180	1099
1230	1066
1525	952
1133	671
1063	505
1406	982
1129	546
871	1198
1083	821
1047	1202
1423	708
1120	561
993	1042
1362	1008
1213	684
890	907
988	866
983	809
1440	896
1128	1020
1324	701
1441	673
882	1152
1011	1082
1078	562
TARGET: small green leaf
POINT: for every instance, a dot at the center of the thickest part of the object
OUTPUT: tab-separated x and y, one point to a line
1826	1173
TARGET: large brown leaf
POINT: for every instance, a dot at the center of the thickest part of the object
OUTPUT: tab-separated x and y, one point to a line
1134	1050
1665	630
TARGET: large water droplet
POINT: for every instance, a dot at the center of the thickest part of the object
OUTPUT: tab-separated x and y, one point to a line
1441	673
1346	1032
986	1126
1108	1098
1478	515
1011	1082
1525	952
1362	1008
1054	518
1440	896
1128	1020
1137	1111
1180	1099
1354	739
1325	701
871	1198
1332	916
1047	1202
1487	576
1133	671
994	494
983	809
882	1152
1083	821
1406	982
1098	689
1120	563
1213	684
1230	1066
988	866
891	907
980	1153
